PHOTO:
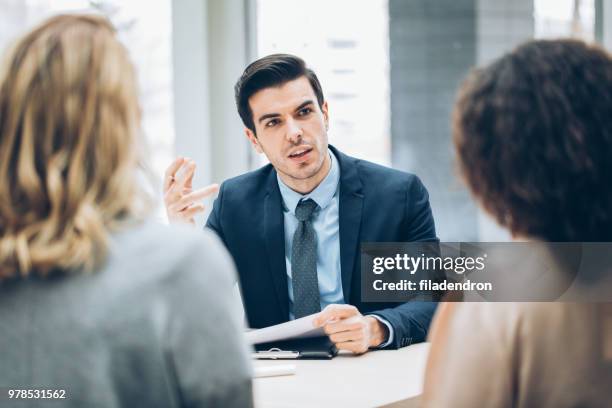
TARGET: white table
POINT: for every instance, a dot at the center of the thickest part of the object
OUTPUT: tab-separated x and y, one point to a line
373	379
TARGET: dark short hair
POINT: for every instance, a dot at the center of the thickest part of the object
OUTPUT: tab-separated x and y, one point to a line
533	133
271	71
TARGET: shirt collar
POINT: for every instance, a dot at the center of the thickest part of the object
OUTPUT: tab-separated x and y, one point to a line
322	194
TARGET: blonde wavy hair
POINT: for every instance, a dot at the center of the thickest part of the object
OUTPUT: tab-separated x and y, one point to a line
69	129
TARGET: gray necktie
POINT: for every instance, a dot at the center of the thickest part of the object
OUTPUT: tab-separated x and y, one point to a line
304	263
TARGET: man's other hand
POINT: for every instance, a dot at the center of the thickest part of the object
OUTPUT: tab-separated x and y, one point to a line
181	201
349	330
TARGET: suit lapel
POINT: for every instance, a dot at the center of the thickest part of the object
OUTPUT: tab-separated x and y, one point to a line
274	235
351	206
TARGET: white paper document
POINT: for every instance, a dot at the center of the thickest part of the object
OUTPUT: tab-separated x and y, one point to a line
298	328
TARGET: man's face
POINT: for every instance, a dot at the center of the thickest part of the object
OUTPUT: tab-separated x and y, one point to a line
291	129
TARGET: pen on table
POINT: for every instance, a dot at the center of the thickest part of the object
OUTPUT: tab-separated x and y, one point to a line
274	370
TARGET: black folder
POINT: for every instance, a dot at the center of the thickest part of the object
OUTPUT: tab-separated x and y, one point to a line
314	348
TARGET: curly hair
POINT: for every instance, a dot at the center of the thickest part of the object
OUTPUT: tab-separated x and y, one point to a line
533	134
69	119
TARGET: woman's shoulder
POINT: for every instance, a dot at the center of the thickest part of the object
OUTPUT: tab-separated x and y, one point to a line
509	321
151	235
152	250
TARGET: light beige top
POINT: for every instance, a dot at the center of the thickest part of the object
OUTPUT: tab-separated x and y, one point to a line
520	354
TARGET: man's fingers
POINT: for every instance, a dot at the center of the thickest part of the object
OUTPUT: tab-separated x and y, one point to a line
355	347
189	182
177	182
204	192
184	173
335	312
189	199
352	323
342	326
192	211
171	171
185	216
342	337
173	167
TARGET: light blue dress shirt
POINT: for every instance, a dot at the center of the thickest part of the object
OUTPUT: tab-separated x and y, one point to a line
325	221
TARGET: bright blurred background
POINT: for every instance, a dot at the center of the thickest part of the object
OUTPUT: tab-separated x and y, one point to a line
389	70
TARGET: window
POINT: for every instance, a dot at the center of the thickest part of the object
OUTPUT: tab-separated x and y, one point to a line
349	51
145	29
563	18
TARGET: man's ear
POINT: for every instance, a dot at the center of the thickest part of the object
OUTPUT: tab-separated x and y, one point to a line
325	110
253	139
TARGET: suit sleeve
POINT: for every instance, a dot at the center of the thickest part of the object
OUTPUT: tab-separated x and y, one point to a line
411	320
214	219
418	218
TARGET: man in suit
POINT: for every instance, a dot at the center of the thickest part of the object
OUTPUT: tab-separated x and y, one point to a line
294	226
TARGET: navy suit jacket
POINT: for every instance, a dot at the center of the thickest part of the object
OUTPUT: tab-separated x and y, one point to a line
377	204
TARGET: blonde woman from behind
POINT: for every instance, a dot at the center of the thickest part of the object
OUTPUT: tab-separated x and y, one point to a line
99	307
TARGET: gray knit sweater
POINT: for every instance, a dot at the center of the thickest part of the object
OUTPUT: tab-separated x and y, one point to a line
156	326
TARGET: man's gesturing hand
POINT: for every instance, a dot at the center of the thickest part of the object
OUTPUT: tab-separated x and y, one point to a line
179	198
350	330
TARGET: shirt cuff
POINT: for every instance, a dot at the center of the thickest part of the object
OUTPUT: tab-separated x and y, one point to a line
389	327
